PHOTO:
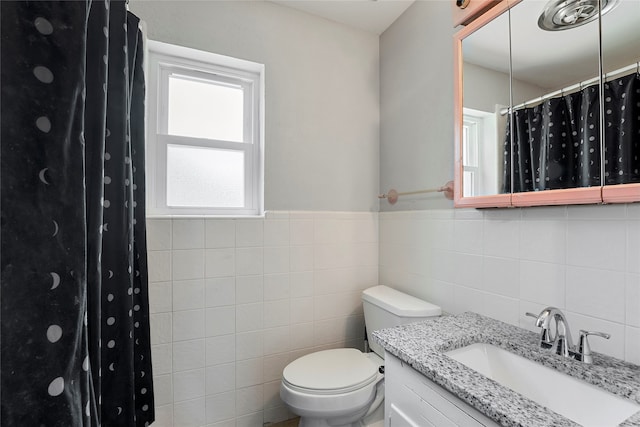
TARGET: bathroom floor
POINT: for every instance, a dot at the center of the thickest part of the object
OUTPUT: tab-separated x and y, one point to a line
288	423
294	423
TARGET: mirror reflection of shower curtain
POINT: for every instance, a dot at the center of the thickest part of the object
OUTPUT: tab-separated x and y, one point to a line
556	144
622	130
75	347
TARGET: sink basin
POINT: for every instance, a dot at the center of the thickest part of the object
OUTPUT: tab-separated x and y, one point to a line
577	400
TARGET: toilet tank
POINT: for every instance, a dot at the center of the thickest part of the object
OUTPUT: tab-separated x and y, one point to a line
385	307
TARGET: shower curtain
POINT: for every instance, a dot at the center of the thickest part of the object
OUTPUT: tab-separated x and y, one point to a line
556	144
74	321
622	130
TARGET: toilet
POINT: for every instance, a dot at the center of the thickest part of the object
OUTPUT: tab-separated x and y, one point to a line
344	387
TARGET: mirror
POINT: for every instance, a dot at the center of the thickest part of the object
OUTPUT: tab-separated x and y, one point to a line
481	91
620	57
485	92
549	143
555	115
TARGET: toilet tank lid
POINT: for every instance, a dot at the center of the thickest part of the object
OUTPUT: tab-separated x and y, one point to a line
399	303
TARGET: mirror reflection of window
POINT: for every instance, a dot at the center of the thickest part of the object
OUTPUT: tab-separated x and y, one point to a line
482	174
470	155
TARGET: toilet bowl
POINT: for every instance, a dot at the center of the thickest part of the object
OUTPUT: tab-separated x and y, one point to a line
344	387
333	388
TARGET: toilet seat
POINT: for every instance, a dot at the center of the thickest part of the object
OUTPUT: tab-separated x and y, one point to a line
332	387
343	387
331	372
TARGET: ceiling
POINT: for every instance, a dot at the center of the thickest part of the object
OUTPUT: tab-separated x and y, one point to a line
554	59
374	16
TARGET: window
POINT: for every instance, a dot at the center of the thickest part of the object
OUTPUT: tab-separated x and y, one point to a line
482	136
205	127
470	130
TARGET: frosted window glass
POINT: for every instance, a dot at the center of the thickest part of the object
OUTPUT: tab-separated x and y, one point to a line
205	109
204	177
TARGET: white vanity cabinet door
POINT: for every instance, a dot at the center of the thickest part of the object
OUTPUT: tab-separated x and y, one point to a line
397	418
413	400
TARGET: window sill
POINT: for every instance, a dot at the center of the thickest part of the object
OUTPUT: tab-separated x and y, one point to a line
196	216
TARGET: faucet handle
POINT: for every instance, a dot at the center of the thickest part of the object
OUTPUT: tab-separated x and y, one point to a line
528	313
583	352
598	334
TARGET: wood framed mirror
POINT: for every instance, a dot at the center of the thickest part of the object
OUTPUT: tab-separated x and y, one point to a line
481	89
534	73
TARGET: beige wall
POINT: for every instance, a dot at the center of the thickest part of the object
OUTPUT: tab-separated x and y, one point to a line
322	103
416	104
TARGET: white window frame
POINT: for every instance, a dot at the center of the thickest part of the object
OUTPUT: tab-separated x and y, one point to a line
471	128
164	60
481	128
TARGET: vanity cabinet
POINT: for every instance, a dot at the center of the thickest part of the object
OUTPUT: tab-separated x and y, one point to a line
412	400
530	127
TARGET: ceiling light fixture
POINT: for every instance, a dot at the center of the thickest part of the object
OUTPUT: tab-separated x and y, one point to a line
561	15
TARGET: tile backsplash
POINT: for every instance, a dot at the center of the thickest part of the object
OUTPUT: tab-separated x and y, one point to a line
503	263
234	300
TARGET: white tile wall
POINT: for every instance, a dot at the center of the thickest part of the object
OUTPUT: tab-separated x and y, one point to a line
188	294
188	355
234	300
632	296
502	263
188	234
187	264
189	413
188	325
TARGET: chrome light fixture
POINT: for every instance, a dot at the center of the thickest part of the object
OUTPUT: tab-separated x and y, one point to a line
561	15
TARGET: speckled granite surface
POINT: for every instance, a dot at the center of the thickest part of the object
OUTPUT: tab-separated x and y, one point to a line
422	345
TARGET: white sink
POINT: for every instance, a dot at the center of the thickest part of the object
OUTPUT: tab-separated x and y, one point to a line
577	400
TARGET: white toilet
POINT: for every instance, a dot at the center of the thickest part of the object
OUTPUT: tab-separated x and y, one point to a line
345	387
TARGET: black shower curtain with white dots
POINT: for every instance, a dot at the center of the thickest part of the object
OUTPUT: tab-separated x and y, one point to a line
556	144
74	319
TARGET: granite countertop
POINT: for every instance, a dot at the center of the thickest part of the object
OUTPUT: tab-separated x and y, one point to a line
422	345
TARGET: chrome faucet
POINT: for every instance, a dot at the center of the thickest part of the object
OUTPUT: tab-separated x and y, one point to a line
560	342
